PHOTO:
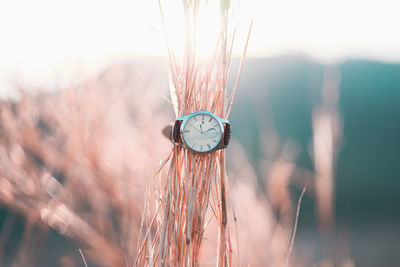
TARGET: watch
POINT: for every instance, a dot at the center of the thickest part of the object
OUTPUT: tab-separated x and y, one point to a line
201	132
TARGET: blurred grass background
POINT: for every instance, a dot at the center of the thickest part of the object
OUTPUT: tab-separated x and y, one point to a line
280	93
275	99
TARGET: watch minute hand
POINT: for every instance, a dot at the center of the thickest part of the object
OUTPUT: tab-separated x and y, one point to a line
195	128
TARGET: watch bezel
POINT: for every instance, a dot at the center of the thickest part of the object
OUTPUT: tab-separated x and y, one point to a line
220	121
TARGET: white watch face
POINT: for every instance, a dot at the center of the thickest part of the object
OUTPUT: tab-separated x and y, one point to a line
202	132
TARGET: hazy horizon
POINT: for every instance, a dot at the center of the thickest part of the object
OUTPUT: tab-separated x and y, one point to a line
44	40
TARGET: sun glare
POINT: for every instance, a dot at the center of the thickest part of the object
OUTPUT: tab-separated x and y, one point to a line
44	40
206	28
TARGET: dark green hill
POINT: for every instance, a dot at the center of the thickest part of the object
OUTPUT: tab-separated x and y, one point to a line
280	93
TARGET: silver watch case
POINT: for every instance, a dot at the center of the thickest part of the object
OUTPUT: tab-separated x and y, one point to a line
221	122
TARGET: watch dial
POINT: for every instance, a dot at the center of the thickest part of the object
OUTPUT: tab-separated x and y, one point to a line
202	132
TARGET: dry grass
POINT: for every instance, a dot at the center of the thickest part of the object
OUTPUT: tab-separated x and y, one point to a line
327	131
193	184
67	162
81	161
57	173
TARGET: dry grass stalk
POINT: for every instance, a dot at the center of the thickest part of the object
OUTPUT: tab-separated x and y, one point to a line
327	131
194	183
295	226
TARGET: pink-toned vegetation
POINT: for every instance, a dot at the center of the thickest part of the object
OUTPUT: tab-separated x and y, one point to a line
91	163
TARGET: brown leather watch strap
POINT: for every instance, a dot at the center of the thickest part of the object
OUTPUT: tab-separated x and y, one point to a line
176	131
227	134
172	131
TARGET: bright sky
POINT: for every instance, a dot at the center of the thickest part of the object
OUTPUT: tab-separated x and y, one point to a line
45	41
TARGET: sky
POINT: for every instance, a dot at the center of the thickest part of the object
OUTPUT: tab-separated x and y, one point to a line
43	42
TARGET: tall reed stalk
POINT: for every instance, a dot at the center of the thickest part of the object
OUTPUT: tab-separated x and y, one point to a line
194	184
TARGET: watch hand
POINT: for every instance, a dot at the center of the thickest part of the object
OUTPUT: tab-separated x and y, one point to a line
195	127
201	127
210	129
